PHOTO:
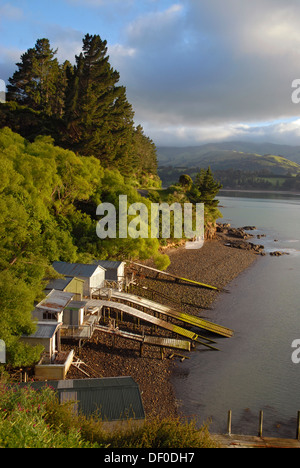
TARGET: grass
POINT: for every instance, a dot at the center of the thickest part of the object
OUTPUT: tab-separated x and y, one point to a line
35	419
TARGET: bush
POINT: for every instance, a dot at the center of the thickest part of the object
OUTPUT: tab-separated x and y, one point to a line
23	421
35	419
166	433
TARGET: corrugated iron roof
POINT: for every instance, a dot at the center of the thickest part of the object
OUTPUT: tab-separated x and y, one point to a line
44	330
55	301
76	269
111	398
61	283
76	305
109	264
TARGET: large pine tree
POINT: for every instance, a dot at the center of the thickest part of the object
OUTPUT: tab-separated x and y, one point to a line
82	106
98	115
39	82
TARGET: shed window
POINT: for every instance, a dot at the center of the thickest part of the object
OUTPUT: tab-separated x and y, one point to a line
49	316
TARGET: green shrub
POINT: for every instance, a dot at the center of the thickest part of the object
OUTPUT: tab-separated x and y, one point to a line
166	433
23	422
35	419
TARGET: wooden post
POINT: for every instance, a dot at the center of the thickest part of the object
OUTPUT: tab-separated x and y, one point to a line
298	426
229	421
261	420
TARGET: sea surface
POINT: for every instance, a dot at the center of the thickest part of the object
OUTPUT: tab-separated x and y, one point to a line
254	370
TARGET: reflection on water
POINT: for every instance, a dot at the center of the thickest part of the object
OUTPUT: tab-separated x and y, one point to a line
254	370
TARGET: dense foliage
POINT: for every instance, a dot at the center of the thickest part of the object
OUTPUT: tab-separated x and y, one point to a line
35	419
48	201
204	189
82	107
67	144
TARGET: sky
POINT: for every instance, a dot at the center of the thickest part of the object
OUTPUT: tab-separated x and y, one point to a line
195	71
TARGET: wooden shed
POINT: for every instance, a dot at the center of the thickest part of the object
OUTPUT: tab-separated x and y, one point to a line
74	313
93	275
52	307
115	271
54	363
47	335
68	284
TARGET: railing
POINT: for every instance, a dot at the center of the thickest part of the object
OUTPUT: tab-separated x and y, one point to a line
260	424
81	331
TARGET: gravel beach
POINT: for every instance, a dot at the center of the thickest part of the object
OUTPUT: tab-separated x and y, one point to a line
215	264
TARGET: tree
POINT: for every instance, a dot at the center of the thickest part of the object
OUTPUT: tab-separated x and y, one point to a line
98	115
185	181
82	107
39	81
144	158
205	188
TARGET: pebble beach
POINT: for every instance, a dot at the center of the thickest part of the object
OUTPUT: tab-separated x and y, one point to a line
214	264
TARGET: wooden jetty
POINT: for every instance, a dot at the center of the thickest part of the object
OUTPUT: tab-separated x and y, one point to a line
176	278
167	311
142	316
183	345
244	441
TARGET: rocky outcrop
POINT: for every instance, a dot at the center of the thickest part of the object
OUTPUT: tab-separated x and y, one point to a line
259	249
239	233
237	238
278	253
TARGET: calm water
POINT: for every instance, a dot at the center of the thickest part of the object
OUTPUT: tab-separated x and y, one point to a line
253	370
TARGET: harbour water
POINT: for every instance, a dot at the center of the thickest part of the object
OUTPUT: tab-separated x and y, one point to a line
253	370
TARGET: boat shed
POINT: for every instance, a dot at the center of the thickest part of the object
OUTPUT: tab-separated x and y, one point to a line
112	399
67	284
52	307
93	275
47	335
115	271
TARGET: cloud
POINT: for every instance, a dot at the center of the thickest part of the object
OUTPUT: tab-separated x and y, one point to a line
8	58
66	40
198	65
180	135
194	70
100	3
155	26
10	12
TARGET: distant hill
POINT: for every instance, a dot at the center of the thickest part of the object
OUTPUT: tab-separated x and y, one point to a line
2	96
224	155
233	167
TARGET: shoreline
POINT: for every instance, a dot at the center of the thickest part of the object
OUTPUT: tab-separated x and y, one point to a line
279	192
215	264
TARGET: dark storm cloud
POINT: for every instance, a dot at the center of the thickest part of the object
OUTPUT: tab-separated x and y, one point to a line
213	63
195	70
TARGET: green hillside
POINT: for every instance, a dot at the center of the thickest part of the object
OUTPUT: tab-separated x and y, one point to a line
175	156
226	159
234	169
